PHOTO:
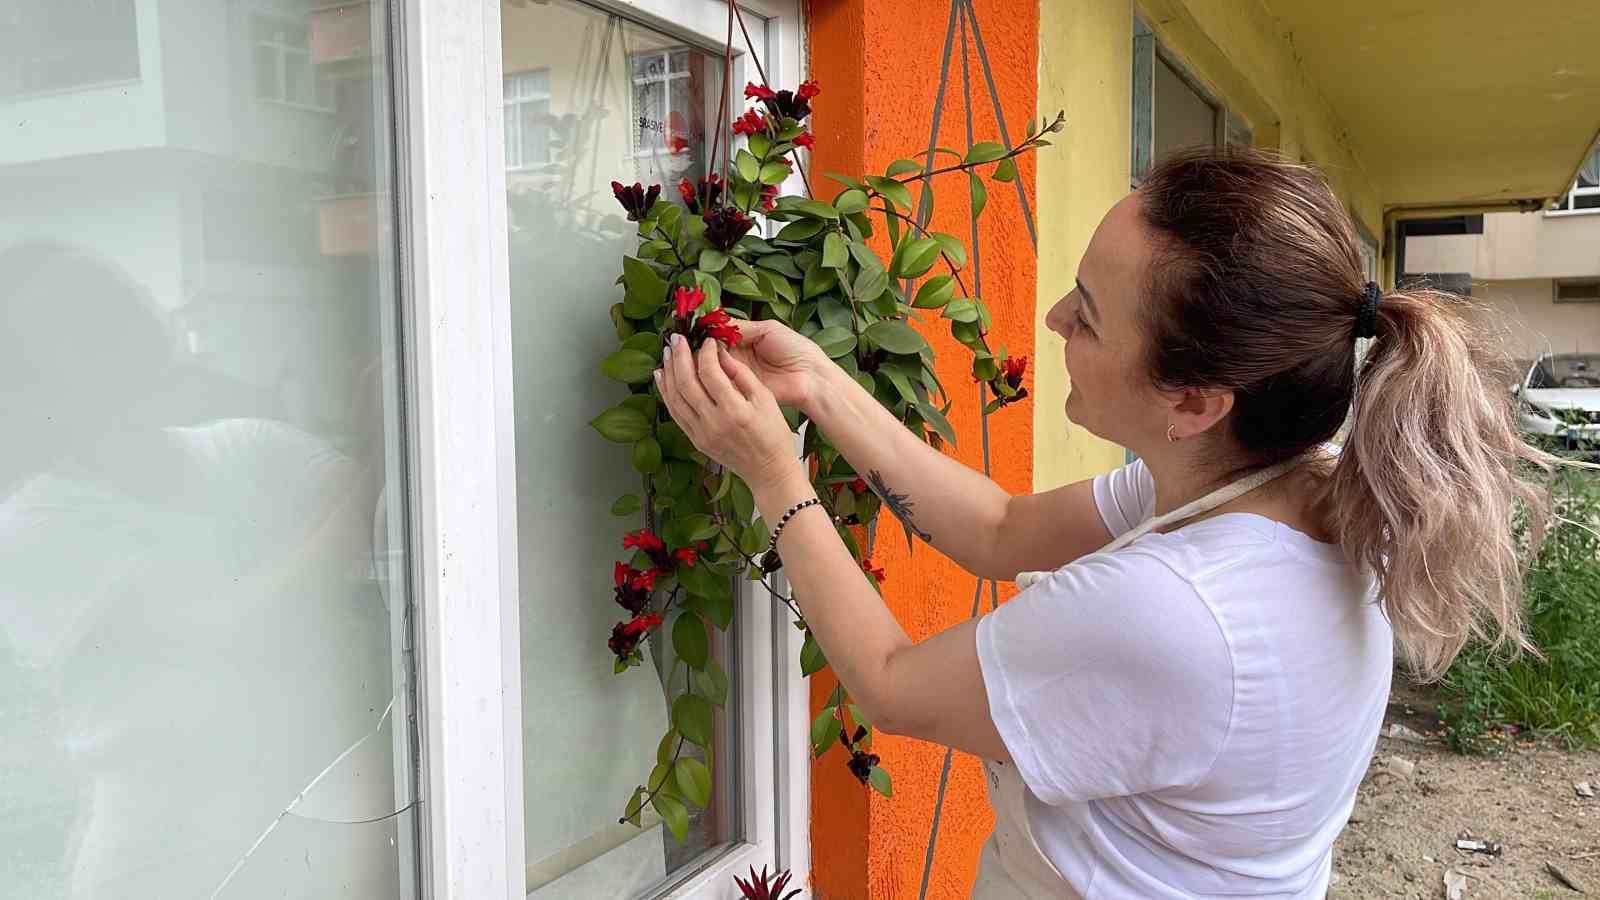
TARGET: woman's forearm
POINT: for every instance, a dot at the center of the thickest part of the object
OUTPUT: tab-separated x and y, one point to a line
935	498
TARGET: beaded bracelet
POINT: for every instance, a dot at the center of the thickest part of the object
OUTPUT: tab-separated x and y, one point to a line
772	546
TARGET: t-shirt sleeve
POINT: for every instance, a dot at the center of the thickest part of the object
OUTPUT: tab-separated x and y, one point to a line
1125	497
1097	699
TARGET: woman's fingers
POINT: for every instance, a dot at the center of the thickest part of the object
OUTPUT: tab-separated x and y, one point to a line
667	382
686	381
716	381
743	377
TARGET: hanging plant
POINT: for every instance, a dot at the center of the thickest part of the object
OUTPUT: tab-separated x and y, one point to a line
701	268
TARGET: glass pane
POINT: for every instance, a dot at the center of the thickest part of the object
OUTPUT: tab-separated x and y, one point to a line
202	526
590	734
1182	119
66	44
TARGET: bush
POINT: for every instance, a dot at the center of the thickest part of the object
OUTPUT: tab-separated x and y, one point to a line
1557	695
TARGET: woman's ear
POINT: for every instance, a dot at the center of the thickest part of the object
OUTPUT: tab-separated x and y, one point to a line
1196	411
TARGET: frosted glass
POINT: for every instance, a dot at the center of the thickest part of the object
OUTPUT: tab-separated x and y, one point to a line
202	587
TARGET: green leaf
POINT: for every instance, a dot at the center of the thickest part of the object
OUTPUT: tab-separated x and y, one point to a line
694	780
824	731
645	342
719	609
742	285
782	263
952	248
984	368
635	806
961	310
892	223
749	167
689	640
1006	171
984	151
934	417
811	658
694	718
893	190
859	717
754	538
980	196
646	290
773	173
879	779
903	167
801	231
626	505
744	503
713	289
935	292
668	746
835	342
816	209
628	366
703	581
647	456
712	260
760	144
711	682
621	424
846	180
834	252
851	201
914	257
895	336
673	813
818	281
869	285
864	256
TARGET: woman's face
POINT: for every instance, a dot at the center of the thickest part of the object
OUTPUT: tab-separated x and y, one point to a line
1111	395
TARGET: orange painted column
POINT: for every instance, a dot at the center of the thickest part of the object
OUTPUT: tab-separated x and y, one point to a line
880	64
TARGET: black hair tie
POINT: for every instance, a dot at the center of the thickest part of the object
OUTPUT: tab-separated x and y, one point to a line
1367	313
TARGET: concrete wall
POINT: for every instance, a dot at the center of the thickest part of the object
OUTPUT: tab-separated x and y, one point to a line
1514	246
1523	311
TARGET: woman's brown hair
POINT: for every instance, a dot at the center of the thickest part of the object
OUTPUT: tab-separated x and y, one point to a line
1257	288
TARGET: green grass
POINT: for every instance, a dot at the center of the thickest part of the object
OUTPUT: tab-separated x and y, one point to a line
1559	695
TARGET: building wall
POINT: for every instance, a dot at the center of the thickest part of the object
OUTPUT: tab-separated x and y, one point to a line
1514	246
879	63
1239	55
1524	313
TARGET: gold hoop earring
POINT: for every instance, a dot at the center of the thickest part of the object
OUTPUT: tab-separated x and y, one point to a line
1172	438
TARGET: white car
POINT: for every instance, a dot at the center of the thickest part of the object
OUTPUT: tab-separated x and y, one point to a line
1560	398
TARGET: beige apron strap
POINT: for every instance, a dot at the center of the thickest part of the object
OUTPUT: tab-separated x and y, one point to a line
1012	866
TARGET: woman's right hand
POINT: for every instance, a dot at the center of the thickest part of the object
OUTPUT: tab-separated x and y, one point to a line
790	365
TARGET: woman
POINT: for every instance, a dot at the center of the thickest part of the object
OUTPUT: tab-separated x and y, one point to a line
1192	708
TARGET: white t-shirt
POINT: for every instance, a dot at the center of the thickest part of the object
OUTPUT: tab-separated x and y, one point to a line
1193	713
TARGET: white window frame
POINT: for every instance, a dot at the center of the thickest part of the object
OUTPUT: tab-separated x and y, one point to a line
286	54
457	302
1567	205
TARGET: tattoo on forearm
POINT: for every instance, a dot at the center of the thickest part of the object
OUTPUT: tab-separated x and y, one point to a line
900	505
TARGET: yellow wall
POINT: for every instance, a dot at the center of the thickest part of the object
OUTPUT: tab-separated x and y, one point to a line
1085	68
1239	55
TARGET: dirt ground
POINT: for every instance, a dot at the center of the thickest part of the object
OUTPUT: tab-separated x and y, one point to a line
1401	840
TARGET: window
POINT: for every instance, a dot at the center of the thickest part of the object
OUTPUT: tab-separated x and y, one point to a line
662	104
527	99
53	45
284	72
1577	290
1584	195
1171	111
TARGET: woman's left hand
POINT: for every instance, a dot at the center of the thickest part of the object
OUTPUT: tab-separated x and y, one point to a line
726	411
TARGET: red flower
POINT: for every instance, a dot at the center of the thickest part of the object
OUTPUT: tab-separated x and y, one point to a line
643	539
625	636
718	326
687	556
808	89
725	226
769	196
753	91
677	144
764	886
804	139
703	196
633	587
751	122
858	487
687	300
635	199
876	573
1012	369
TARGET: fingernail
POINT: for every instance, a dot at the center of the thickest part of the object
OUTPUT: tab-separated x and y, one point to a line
677	340
666	352
657	375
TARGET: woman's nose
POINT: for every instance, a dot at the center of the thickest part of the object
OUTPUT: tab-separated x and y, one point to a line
1059	318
